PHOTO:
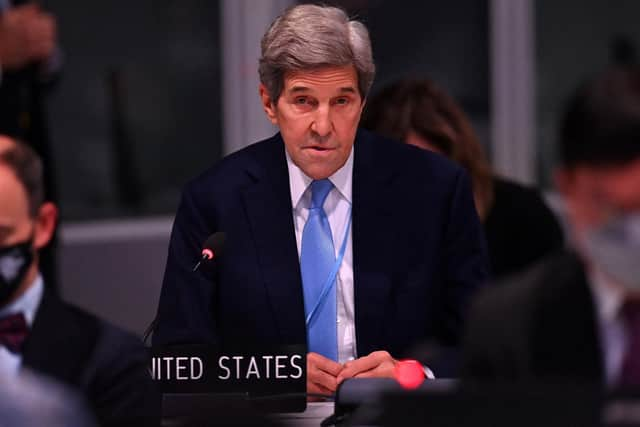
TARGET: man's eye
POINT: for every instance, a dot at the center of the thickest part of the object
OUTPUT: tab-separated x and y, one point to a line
301	101
342	101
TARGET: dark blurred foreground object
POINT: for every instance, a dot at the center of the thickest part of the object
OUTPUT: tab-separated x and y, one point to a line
496	406
30	63
519	227
437	403
361	395
447	403
29	400
541	327
576	316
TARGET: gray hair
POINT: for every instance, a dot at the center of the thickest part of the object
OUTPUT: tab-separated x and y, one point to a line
307	37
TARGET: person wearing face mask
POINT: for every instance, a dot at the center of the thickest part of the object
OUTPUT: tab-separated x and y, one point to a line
41	333
576	316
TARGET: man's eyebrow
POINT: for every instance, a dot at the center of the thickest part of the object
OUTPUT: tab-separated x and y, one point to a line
298	89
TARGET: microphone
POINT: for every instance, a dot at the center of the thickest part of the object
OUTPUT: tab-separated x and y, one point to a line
212	248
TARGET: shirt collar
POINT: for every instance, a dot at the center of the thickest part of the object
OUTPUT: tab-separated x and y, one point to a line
608	297
299	181
28	302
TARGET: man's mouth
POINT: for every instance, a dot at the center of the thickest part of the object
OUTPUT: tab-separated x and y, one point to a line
318	148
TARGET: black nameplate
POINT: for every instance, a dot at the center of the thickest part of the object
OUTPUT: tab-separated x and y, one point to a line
210	369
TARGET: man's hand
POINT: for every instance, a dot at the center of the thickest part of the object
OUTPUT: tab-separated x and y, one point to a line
378	364
322	374
27	34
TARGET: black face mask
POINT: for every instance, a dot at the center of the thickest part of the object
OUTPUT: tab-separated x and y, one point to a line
15	260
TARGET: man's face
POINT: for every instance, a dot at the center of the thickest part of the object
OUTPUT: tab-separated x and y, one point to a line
594	195
16	225
318	114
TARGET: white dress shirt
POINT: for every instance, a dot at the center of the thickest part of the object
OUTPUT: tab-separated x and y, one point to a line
337	207
27	304
612	330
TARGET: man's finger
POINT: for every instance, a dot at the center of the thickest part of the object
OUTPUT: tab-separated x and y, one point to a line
365	364
323	379
362	364
368	374
327	365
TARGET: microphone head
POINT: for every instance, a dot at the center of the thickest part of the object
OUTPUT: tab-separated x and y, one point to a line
213	246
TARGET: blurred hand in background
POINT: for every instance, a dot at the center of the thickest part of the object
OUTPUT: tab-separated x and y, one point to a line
27	34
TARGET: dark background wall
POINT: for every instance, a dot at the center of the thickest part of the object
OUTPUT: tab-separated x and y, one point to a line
574	40
137	110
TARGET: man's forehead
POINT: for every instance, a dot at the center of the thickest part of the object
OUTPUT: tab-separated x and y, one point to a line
339	79
306	88
13	196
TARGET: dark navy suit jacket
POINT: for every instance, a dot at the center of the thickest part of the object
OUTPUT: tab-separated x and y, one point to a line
418	251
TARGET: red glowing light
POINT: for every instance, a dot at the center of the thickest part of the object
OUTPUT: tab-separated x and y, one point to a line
409	373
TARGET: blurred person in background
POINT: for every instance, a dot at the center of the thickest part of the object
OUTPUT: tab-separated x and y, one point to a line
30	63
576	316
41	332
519	227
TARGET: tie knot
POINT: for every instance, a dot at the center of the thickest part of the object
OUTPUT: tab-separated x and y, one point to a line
13	331
319	192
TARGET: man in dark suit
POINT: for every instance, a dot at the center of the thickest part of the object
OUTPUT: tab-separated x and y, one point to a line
357	245
575	317
40	332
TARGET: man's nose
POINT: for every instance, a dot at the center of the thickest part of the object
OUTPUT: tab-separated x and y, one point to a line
322	122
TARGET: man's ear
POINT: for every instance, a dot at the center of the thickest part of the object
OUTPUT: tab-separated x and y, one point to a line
268	105
46	221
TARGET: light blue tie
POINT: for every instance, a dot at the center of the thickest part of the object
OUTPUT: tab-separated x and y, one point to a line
317	259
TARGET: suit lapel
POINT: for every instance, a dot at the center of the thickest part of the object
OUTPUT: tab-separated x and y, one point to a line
58	345
372	242
268	207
